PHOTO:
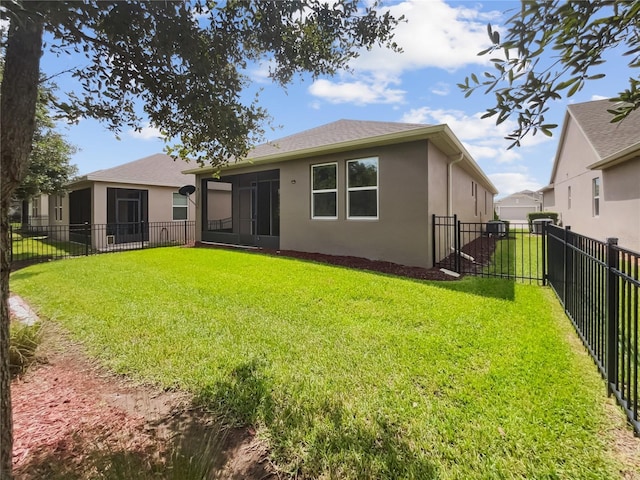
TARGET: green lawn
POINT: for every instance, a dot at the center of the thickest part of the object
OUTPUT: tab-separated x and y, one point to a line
346	374
519	255
36	246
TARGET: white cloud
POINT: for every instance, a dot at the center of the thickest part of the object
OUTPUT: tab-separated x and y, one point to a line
482	137
598	97
512	182
441	88
435	34
146	133
359	92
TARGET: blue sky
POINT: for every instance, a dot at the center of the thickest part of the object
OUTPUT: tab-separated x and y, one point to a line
440	41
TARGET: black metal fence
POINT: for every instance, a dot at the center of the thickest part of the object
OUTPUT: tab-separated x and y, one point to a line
598	284
31	243
493	249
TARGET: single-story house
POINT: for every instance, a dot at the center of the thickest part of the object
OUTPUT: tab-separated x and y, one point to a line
595	181
118	202
352	188
516	206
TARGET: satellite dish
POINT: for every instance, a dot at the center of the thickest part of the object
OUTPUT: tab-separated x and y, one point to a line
186	190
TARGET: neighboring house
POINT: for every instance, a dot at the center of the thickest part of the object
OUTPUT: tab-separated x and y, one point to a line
595	181
38	210
118	200
516	206
355	188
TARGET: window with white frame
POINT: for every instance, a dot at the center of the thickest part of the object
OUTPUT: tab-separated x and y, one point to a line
180	207
57	207
596	197
474	193
362	188
35	206
324	191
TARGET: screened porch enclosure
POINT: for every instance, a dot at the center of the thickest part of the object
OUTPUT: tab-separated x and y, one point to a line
242	209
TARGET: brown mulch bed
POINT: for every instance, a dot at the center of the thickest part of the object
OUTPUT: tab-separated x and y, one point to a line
75	420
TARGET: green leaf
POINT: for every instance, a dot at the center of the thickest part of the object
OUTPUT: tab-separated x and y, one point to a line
577	86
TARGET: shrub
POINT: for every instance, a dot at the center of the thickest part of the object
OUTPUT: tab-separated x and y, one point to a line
23	342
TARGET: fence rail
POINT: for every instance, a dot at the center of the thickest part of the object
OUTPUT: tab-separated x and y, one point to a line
30	243
492	249
598	285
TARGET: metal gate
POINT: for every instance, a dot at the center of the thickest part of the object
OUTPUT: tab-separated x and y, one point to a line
493	249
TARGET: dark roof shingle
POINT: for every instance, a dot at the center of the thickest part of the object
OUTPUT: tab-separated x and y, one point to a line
157	169
606	138
332	133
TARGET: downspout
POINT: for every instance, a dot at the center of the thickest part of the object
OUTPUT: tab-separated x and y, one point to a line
450	183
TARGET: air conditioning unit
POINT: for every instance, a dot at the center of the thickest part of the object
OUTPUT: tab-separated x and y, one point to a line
111	239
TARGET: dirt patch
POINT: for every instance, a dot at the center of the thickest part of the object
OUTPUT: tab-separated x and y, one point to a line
75	420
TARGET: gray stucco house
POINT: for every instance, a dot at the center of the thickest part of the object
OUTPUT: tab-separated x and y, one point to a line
516	206
355	188
595	181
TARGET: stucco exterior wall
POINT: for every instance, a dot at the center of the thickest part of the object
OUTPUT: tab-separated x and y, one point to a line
620	207
471	201
401	232
160	201
619	214
412	185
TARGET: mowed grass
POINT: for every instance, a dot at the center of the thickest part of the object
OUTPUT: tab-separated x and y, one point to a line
28	247
346	374
519	256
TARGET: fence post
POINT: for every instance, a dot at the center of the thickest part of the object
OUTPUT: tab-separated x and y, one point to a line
567	229
612	314
142	234
433	239
87	235
545	231
185	232
456	241
10	243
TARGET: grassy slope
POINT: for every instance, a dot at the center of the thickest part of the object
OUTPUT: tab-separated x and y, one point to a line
350	374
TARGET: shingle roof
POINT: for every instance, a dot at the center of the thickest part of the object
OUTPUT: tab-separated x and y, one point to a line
606	138
158	169
330	134
345	135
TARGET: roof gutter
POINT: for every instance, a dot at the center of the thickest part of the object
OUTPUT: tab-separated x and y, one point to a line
618	157
450	183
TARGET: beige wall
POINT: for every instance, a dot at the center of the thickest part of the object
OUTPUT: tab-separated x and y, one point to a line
218	201
619	193
160	201
160	208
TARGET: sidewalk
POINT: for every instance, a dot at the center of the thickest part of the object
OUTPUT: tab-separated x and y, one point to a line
21	311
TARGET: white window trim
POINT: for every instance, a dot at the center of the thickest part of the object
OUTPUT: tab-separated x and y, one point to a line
57	207
595	197
173	205
356	189
325	190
